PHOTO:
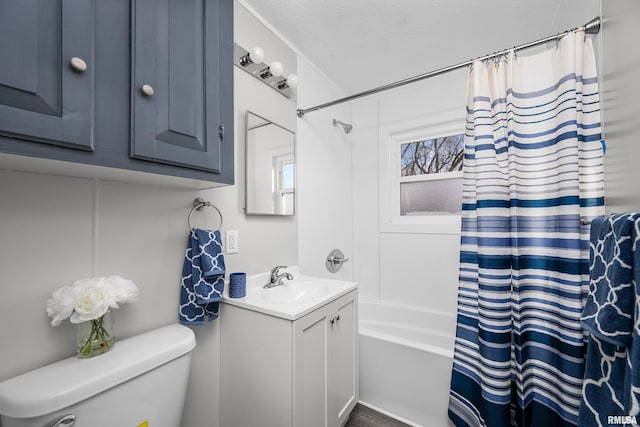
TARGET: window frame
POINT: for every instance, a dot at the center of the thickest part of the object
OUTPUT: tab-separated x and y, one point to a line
391	137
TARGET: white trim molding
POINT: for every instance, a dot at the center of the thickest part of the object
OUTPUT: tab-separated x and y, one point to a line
391	136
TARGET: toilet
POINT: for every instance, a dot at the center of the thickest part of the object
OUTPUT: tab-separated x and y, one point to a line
141	382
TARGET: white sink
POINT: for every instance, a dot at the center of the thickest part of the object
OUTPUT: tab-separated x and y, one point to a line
295	292
294	298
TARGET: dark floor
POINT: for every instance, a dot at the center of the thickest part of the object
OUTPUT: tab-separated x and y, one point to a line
361	416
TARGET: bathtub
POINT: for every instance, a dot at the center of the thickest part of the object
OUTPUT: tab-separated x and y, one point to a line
405	362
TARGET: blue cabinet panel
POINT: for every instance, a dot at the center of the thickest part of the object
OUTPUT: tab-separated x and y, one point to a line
43	97
176	82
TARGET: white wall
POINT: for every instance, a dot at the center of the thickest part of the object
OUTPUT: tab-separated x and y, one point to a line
414	269
621	90
56	229
324	177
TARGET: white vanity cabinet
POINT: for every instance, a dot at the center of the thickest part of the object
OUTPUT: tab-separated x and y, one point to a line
279	372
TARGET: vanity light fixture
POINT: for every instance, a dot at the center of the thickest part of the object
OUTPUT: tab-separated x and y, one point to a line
291	81
250	61
273	70
253	56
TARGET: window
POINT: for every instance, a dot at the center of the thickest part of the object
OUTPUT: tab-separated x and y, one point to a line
430	182
288	176
432	156
421	174
283	183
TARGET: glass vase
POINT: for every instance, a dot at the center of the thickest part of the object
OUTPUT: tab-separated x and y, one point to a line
95	337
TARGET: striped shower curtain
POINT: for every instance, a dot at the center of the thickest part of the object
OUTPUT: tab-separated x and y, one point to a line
532	171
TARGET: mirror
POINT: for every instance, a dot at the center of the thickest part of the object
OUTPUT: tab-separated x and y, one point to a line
270	167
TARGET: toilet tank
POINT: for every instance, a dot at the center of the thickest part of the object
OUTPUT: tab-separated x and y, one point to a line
141	382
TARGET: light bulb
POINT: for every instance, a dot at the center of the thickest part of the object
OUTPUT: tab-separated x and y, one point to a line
292	80
256	54
275	68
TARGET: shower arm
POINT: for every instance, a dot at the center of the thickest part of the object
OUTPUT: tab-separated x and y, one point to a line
591	27
346	127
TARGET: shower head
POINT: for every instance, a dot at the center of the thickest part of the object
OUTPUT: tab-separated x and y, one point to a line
346	127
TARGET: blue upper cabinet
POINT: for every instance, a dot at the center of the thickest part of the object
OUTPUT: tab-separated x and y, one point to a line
178	73
136	85
47	71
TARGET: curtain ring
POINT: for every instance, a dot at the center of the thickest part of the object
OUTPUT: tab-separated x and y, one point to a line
198	204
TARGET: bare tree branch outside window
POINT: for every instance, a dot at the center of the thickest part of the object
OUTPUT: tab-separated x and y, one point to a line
432	156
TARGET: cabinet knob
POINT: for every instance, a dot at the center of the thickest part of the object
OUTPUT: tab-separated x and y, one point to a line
147	90
78	64
334	319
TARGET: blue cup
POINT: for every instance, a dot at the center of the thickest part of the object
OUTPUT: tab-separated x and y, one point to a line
237	285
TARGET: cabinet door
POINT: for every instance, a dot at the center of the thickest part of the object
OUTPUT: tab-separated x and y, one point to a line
311	334
325	364
342	359
43	97
176	94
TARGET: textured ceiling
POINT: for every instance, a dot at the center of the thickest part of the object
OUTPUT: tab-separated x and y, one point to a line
361	44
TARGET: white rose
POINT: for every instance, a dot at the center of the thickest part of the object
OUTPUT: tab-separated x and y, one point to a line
124	290
60	306
93	299
89	299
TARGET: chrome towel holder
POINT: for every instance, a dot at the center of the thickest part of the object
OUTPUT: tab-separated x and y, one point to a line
198	204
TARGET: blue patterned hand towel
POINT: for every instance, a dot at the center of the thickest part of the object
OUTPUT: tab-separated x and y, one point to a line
611	386
203	273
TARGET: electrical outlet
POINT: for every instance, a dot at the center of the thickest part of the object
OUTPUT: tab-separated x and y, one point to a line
231	246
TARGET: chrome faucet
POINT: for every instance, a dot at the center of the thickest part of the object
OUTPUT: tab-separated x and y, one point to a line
275	279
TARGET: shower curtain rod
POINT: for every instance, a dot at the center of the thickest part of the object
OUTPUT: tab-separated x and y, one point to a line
591	27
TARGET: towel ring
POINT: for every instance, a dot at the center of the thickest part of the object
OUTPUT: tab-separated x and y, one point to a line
198	204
